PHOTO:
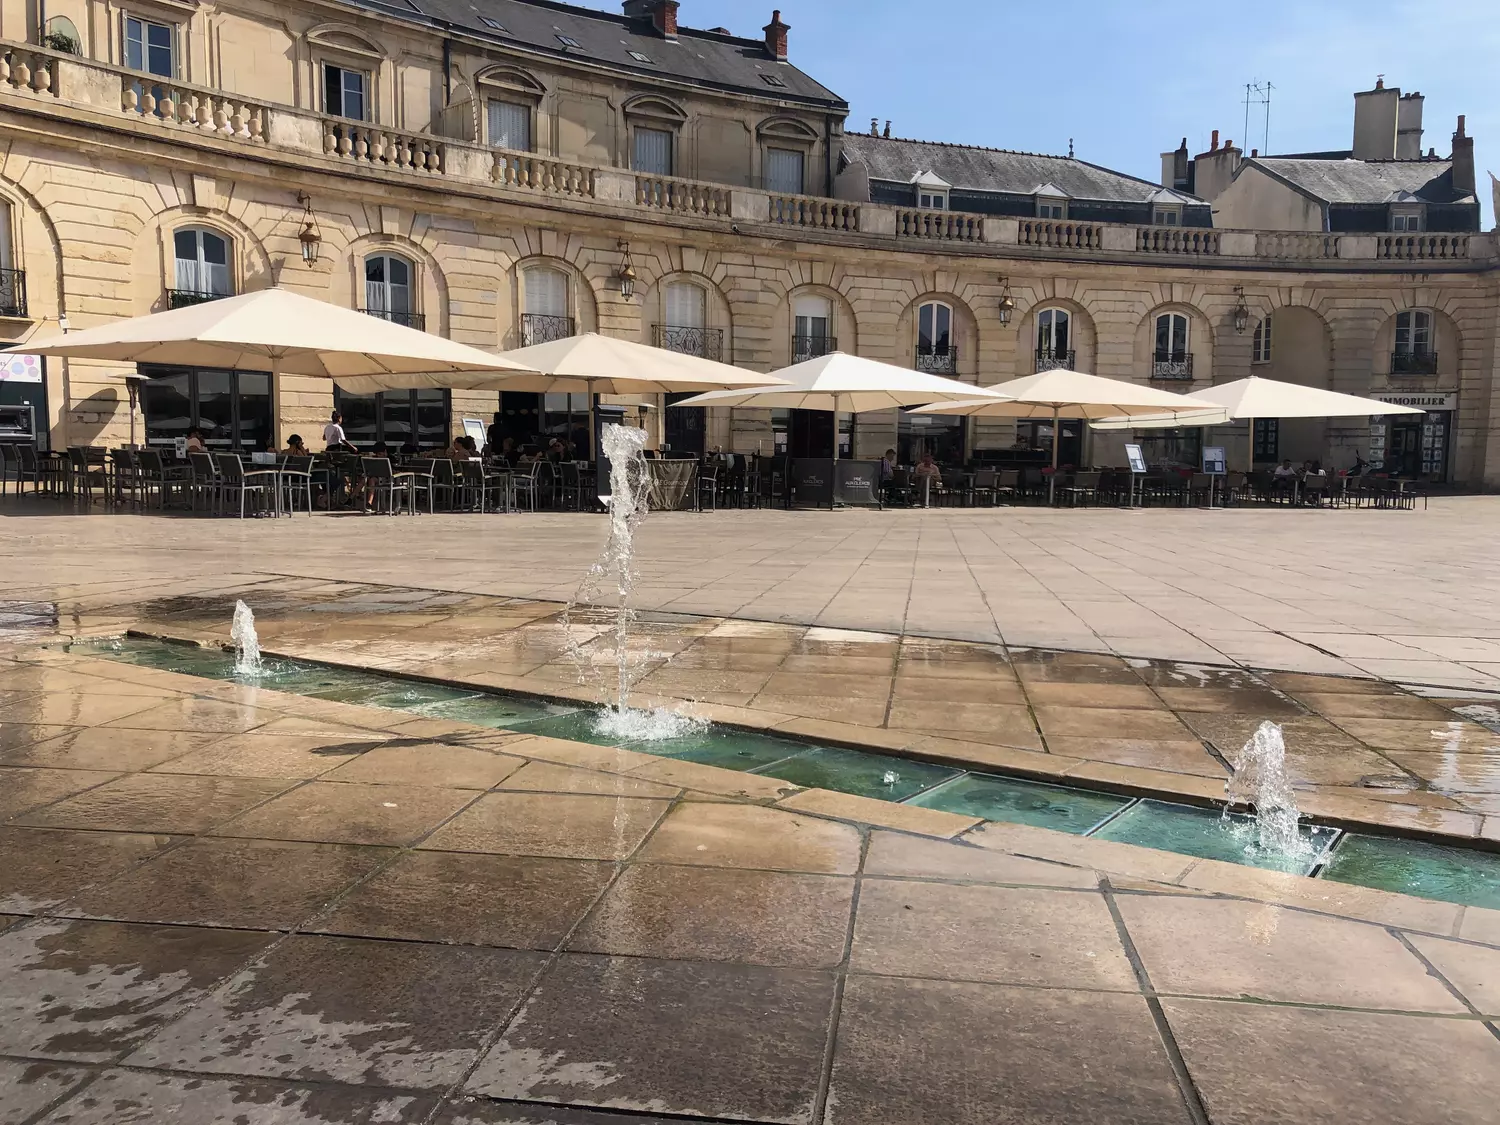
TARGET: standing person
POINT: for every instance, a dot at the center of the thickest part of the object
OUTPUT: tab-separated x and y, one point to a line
494	437
888	476
333	435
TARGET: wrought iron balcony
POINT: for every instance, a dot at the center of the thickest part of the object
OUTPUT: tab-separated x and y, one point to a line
1050	359
705	343
1171	365
182	298
410	319
1414	363
13	293
537	328
937	361
805	348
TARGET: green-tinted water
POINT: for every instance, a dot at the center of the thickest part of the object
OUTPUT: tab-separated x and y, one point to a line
1023	802
1415	867
864	775
1204	833
1411	867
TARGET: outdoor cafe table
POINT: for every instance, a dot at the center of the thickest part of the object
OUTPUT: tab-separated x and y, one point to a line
671	484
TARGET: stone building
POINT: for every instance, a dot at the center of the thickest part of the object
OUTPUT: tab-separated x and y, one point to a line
486	170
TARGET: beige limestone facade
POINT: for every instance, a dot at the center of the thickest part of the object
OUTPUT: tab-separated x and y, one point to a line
101	166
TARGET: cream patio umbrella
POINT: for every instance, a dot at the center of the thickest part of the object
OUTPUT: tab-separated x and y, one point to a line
1061	393
846	384
1245	400
280	331
584	364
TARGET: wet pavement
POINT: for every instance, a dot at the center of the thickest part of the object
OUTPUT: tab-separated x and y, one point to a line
226	903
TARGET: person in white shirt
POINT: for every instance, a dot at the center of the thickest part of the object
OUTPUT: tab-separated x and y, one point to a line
333	434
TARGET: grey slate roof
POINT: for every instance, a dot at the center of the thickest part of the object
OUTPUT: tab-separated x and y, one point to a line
988	169
1364	181
702	57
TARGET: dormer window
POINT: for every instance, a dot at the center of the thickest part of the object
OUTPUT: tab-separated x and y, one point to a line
931	191
932	200
1166	216
1406	219
1051	208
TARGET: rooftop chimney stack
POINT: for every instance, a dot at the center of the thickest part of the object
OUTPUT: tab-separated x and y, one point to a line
887	133
662	15
776	37
1463	160
1409	127
1377	114
1214	146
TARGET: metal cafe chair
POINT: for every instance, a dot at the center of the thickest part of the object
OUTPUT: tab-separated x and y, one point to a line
10	468
204	482
296	475
236	483
83	476
383	482
528	483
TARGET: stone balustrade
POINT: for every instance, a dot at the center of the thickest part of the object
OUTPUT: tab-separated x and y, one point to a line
28	69
194	107
1411	247
813	212
939	226
1054	234
56	83
687	197
407	152
542	174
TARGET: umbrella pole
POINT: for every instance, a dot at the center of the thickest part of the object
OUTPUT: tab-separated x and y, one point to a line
833	485
1250	447
1056	445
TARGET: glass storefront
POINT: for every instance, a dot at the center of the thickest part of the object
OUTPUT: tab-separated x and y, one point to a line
399	419
942	435
232	408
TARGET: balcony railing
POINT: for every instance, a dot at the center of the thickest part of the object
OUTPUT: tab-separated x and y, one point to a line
538	328
13	293
705	343
938	361
410	319
1171	365
1050	359
805	348
182	298
1414	363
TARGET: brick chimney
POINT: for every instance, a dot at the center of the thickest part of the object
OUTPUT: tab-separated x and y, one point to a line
776	37
662	15
1463	160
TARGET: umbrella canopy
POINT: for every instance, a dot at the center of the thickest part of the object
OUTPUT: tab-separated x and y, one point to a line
1267	398
1069	394
273	329
1182	421
586	364
846	384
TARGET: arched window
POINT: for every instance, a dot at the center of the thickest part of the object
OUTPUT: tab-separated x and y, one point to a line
936	350
388	290
685	325
1054	336
812	331
1260	346
1171	359
546	315
202	267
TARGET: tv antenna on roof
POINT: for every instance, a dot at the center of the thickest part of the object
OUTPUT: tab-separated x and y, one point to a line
1258	93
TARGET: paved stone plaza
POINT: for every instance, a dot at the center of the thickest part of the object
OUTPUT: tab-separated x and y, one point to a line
228	903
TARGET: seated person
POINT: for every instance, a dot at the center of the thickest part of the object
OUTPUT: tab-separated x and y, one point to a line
458	451
195	441
1284	471
295	447
557	452
928	473
380	449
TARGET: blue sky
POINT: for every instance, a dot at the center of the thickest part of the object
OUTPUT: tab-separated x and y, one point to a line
1127	80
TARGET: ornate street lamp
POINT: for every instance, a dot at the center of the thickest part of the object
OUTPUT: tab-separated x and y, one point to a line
310	238
626	276
1241	311
1007	302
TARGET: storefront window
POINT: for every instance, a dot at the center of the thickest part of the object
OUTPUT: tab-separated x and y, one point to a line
939	434
1172	449
398	419
232	408
567	417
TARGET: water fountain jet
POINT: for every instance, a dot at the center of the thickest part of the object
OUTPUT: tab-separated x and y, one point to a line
1260	779
246	642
